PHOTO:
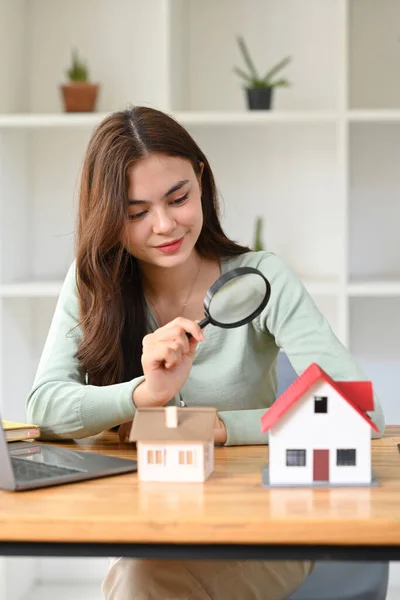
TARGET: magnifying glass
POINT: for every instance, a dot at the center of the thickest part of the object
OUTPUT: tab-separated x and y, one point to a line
236	298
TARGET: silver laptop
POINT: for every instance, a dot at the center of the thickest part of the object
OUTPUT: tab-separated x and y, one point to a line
30	465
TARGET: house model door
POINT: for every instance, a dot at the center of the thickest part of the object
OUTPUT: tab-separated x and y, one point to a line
321	465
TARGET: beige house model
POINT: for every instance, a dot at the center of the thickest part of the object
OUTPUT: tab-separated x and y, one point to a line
174	444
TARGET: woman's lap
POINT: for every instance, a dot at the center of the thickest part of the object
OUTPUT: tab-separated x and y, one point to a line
136	579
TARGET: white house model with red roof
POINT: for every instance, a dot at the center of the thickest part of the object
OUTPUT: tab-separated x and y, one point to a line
320	432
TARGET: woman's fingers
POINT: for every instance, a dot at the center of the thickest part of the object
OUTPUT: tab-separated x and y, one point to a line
170	343
180	341
174	355
180	326
168	353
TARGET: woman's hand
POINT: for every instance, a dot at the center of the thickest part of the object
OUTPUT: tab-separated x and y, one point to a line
166	360
220	433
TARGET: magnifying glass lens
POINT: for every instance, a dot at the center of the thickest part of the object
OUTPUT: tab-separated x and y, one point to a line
238	298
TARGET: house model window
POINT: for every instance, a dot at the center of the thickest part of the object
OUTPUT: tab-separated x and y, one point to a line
321	404
155	457
295	458
346	458
186	457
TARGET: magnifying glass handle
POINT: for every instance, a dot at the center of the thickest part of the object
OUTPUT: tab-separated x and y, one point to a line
202	324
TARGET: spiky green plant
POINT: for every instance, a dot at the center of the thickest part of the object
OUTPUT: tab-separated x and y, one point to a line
252	78
258	241
78	71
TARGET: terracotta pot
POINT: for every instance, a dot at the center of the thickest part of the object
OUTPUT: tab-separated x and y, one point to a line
79	96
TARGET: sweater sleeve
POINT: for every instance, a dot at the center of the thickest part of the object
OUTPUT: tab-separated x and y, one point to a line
304	334
243	427
60	401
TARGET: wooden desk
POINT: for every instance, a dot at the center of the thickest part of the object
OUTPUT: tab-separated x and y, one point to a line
231	515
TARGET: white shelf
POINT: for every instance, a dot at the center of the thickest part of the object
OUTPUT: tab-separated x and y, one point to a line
253	117
321	288
82	120
65	591
256	117
374	116
50	289
374	288
31	289
36	121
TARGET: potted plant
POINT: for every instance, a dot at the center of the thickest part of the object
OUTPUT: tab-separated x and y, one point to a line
259	89
79	95
258	243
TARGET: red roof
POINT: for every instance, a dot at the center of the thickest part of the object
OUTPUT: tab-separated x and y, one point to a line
359	394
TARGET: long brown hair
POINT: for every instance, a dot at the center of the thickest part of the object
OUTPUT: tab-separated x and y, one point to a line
110	293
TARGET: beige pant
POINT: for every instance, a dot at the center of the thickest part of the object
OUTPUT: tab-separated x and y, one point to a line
131	579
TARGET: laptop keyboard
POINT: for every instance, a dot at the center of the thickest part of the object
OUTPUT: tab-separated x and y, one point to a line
26	470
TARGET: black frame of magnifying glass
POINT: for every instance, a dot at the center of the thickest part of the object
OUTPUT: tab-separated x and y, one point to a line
221	281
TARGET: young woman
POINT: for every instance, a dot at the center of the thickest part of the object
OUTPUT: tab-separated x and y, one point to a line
149	245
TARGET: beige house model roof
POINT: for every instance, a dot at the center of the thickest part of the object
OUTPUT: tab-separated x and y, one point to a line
173	424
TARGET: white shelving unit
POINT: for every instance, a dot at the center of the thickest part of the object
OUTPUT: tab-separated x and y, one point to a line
322	166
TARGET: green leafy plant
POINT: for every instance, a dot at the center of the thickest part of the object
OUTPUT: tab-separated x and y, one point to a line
258	241
78	71
252	78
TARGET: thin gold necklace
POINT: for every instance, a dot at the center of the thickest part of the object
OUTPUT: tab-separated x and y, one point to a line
159	320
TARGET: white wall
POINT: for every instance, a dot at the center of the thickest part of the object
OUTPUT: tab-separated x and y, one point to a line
13	50
124	43
289	175
299	28
374	54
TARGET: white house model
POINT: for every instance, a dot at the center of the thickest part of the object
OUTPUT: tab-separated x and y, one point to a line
320	432
174	444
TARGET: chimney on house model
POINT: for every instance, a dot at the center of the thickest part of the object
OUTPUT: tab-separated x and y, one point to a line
171	416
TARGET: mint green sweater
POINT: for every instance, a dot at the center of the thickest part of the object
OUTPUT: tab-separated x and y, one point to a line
234	370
